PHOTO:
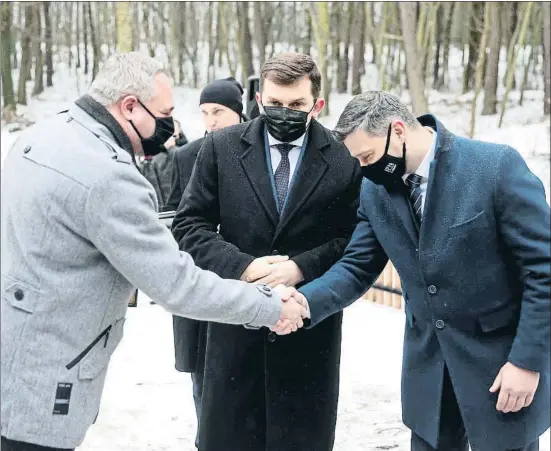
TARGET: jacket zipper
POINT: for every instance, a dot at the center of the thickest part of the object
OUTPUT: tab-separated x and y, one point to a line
84	353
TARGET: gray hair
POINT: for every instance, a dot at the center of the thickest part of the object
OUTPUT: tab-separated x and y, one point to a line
372	111
124	74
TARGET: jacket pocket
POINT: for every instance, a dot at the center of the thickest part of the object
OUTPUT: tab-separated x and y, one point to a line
507	316
477	221
95	357
19	294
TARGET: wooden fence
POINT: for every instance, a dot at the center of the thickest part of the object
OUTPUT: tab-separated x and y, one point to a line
388	279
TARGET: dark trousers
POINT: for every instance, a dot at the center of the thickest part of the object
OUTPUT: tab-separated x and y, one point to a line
453	436
197	380
12	445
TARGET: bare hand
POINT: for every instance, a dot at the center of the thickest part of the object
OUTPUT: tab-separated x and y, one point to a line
292	312
516	386
283	273
261	267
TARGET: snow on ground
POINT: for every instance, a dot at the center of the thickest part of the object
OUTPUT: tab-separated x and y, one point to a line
147	404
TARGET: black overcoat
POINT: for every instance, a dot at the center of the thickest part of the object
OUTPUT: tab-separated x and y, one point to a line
264	392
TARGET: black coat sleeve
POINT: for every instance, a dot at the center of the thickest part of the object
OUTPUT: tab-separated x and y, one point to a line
315	262
175	195
196	223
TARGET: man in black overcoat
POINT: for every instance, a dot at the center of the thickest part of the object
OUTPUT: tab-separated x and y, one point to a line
284	195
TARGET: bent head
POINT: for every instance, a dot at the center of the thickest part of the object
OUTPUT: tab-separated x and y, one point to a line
364	126
137	91
385	137
289	97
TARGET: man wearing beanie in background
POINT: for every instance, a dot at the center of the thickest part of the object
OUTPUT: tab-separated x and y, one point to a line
221	106
284	195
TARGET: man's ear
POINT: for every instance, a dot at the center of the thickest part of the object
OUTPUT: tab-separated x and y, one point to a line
399	128
127	106
318	106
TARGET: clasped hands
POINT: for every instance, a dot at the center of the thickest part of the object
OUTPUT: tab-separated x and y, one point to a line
281	274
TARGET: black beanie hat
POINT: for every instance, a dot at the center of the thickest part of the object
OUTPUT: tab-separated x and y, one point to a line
227	92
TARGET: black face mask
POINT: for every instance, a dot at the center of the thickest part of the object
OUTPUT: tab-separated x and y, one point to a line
164	128
387	170
285	124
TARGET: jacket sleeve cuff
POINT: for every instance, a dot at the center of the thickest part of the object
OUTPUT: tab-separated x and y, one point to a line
270	308
537	362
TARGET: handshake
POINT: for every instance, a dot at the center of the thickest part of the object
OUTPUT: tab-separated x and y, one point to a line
281	274
294	310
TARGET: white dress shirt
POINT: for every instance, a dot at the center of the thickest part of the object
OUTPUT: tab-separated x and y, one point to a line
424	169
294	154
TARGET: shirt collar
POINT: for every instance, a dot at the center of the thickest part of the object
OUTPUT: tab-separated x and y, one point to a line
297	142
424	168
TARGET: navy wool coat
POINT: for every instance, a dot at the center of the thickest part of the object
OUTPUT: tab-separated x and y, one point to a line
476	282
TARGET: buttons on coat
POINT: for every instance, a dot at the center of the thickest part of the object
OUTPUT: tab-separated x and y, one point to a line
440	324
19	295
271	337
432	289
275	252
27	149
265	289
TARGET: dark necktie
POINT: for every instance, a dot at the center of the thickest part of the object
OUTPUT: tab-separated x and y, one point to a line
281	175
413	182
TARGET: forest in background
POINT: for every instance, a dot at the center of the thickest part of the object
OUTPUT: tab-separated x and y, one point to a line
502	44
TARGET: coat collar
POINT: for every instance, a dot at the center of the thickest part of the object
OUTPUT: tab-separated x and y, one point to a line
438	170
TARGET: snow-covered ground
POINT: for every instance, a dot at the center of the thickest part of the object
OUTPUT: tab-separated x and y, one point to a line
147	405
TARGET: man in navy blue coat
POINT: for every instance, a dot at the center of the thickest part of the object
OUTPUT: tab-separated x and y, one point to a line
466	224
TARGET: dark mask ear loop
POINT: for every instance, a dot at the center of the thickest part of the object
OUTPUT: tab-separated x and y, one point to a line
388	137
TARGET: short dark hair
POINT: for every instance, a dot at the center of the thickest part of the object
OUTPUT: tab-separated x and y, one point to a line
287	68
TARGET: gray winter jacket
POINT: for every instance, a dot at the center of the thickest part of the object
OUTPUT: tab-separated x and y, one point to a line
79	233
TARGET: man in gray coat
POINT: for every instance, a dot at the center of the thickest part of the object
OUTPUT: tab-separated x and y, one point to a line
79	233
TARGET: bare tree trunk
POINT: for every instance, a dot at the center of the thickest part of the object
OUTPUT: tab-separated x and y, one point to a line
357	39
414	69
261	30
307	40
147	28
536	39
546	7
480	66
8	113
180	10
135	24
474	45
492	68
447	39
93	38
437	55
48	37
371	29
26	59
78	19
381	45
511	12
85	33
320	23
124	26
247	68
38	57
520	35
343	62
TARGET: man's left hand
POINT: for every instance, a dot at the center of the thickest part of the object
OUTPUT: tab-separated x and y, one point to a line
516	386
283	273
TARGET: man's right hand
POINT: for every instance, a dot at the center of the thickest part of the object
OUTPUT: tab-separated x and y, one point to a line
292	312
260	267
